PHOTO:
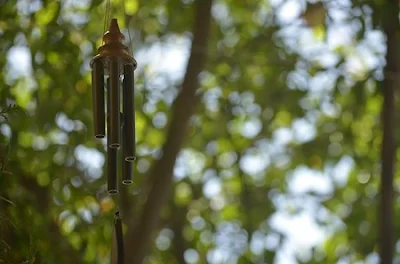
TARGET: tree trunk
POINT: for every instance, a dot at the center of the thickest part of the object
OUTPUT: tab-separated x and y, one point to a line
391	25
140	234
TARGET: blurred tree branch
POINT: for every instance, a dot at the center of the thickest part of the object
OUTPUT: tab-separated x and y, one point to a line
12	108
140	234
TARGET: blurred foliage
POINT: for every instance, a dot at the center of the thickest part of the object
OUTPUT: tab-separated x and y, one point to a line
276	98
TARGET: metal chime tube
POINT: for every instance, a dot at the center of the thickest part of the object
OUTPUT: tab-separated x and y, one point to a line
112	153
114	98
129	150
112	183
127	171
98	99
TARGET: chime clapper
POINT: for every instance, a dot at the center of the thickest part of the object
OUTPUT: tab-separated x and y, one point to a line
112	62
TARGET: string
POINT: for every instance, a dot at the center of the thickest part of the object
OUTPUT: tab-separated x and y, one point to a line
109	11
106	16
128	28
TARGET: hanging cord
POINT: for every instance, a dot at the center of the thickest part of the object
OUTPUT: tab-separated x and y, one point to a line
107	15
120	238
128	28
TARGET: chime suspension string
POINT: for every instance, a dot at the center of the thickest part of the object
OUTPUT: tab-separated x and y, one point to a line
128	28
130	40
107	15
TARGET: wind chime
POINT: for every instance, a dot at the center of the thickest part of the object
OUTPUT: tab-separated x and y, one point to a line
113	75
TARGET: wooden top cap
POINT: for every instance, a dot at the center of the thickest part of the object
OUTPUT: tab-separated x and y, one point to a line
113	46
